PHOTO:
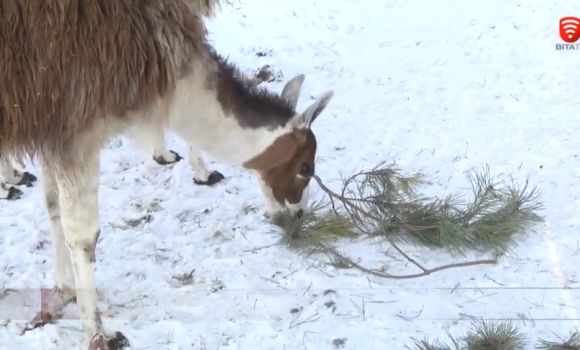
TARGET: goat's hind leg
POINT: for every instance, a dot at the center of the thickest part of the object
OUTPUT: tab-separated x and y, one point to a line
202	176
160	153
14	176
6	171
78	189
151	137
6	191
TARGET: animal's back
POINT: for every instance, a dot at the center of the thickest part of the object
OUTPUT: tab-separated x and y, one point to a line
64	63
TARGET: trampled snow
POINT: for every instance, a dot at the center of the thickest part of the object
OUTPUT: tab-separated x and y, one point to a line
435	86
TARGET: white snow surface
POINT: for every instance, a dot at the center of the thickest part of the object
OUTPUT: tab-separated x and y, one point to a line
436	86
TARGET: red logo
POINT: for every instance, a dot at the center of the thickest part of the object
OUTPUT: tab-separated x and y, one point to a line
570	29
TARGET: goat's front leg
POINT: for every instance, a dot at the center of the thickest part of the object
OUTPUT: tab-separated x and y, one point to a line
201	176
78	190
53	302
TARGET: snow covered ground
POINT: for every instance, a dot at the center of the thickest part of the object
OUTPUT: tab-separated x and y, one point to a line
437	86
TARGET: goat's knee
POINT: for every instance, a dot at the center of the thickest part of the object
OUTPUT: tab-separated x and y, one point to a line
84	249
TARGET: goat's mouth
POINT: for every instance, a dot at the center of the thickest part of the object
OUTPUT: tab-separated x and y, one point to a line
282	219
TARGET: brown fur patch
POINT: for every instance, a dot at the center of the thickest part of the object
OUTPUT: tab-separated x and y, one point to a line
252	106
64	64
281	163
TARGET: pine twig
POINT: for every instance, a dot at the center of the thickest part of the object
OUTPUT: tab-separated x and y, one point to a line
344	261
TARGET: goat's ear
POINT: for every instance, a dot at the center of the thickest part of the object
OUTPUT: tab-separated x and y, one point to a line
291	90
307	117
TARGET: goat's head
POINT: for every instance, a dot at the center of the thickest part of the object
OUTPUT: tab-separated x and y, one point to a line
287	166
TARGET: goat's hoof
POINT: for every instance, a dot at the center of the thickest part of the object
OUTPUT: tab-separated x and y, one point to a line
174	158
14	194
213	178
27	179
102	342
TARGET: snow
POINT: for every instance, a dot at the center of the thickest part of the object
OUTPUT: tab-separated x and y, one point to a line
437	86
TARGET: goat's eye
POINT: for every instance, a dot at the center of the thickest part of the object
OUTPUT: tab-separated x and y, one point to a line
306	170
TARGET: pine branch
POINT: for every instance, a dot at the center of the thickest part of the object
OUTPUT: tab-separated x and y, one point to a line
386	203
343	261
383	203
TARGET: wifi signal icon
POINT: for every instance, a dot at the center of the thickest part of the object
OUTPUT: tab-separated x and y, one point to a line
570	29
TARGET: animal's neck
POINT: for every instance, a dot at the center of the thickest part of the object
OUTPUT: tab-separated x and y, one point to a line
199	117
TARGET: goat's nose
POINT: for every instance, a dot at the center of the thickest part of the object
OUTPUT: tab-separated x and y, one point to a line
299	213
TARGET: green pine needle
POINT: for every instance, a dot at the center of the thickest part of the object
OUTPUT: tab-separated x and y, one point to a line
572	343
502	335
425	344
318	227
